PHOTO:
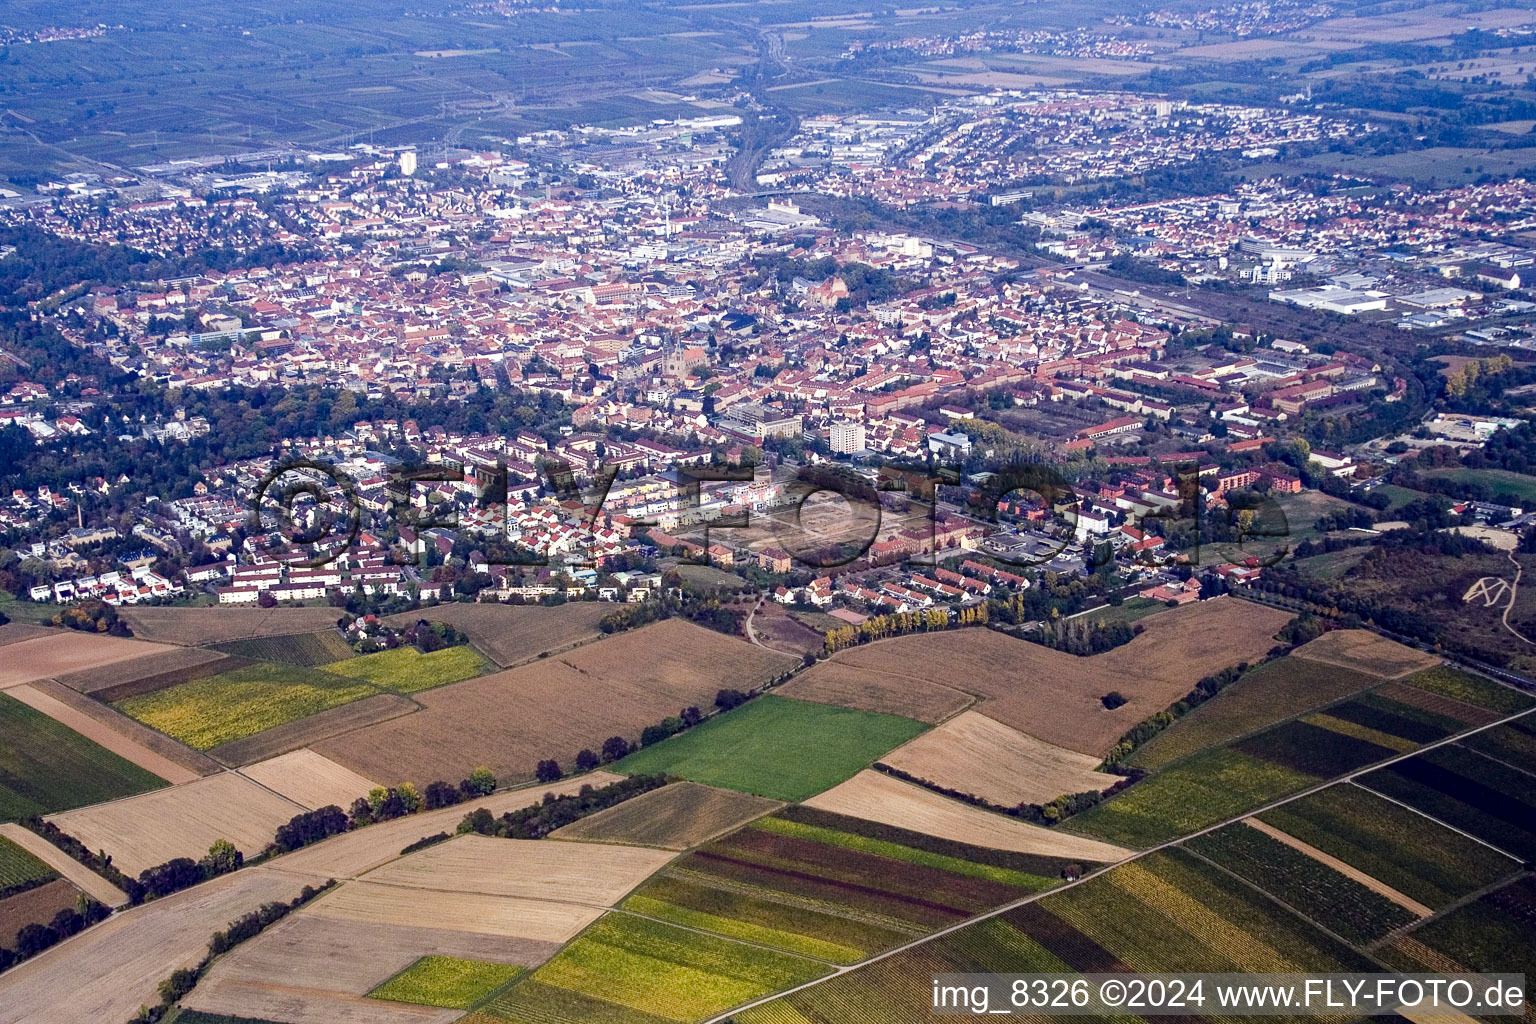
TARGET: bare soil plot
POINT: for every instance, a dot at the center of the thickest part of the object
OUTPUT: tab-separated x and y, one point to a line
170	666
584	873
1374	884
113	719
974	754
94	886
16	632
353	854
35	906
182	821
673	817
52	656
306	731
107	972
192	627
554	707
507	916
1364	651
309	779
1054	696
876	797
512	634
98	732
835	682
775	627
310	969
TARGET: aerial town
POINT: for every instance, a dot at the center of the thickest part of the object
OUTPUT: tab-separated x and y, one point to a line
765	513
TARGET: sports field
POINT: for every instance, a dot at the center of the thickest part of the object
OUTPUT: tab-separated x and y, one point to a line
776	747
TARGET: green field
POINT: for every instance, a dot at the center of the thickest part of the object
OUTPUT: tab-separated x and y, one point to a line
304	649
1414	855
1484	693
1167	912
208	712
445	981
835	888
1306	885
47	767
776	747
407	670
1497	481
1194	793
1468	791
628	970
19	869
1495	932
1268	694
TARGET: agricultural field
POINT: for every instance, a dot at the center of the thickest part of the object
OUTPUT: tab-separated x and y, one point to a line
832	682
407	670
34	906
20	869
1196	792
107	972
48	657
627	970
673	817
16	632
210	712
879	798
554	707
314	970
1513	742
776	747
46	766
181	821
1401	848
1495	932
1054	696
1264	696
1468	791
1165	912
512	634
973	754
1360	650
98	723
307	650
578	873
309	780
303	732
446	981
1345	906
366	903
836	888
59	862
1470	689
199	627
152	672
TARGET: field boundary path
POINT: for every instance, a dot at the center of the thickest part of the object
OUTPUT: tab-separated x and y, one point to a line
82	877
102	734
